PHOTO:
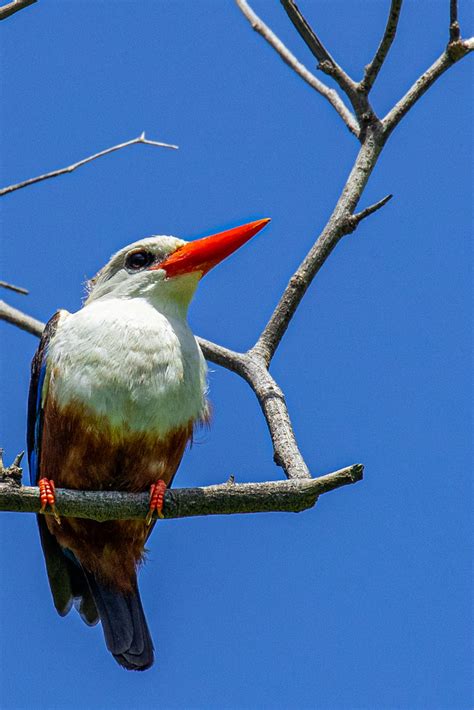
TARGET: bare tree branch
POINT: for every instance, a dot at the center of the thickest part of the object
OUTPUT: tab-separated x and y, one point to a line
372	69
452	54
339	224
20	319
330	94
12	7
12	287
454	28
74	166
342	220
225	499
327	64
359	216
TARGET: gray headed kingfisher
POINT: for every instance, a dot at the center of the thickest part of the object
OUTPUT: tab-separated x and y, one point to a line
116	391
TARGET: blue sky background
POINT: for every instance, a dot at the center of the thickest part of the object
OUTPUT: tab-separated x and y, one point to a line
364	601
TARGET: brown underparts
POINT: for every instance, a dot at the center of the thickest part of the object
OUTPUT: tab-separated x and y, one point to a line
80	451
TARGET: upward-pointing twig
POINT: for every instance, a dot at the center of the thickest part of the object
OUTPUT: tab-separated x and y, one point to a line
329	66
454	29
372	69
90	158
327	63
330	94
453	53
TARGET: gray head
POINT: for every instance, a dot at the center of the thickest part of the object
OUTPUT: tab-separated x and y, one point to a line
166	270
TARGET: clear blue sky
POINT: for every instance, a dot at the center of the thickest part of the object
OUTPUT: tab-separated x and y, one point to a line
364	601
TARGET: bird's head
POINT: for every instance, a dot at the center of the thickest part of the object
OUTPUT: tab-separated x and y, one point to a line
166	270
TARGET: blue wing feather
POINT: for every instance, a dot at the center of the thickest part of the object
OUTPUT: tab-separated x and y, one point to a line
35	398
34	454
66	578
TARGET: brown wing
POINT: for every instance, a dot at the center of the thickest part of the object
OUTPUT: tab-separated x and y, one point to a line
66	578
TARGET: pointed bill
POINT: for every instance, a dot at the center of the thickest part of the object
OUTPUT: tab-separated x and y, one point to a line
203	254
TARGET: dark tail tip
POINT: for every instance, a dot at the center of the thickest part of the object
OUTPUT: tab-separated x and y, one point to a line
125	628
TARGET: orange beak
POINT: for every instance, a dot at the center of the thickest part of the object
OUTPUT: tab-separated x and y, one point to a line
205	253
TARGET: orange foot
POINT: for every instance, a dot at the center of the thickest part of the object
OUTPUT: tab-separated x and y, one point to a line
157	496
48	497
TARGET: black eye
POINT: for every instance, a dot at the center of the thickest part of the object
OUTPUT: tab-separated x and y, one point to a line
138	260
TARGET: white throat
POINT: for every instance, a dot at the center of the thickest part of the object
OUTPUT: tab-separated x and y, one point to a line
132	360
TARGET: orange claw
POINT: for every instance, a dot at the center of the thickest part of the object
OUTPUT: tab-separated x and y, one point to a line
157	497
47	491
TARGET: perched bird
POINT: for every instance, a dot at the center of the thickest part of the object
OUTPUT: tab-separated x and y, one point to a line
116	390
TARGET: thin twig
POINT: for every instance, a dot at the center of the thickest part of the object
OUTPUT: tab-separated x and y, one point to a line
329	66
454	28
74	166
12	287
326	62
224	499
453	53
330	94
12	7
359	216
372	69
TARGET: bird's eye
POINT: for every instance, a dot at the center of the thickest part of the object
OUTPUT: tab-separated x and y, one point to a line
138	260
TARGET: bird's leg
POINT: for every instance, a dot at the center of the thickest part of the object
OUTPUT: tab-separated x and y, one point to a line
157	496
48	497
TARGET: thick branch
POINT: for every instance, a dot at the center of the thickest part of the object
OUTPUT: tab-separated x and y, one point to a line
330	94
12	7
453	53
273	404
74	166
372	69
224	499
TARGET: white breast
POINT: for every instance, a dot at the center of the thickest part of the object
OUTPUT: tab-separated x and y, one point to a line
128	362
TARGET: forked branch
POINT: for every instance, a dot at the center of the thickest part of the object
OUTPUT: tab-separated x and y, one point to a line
330	94
373	136
84	161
